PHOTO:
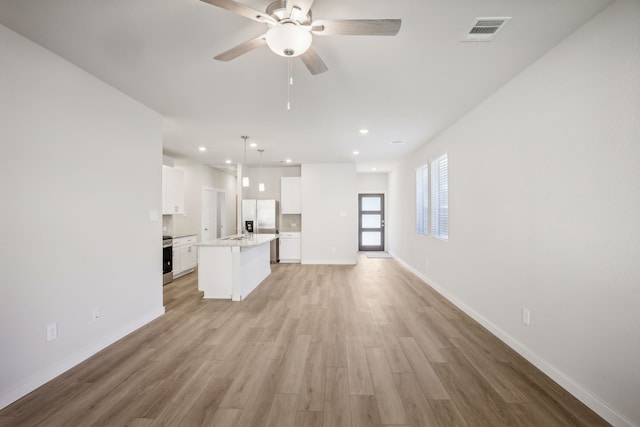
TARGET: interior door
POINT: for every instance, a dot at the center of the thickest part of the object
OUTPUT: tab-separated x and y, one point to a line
209	217
371	222
214	206
221	209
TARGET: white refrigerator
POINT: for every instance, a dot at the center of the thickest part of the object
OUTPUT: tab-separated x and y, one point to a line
264	215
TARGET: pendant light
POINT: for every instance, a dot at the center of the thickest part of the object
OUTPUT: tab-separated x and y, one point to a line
245	179
261	184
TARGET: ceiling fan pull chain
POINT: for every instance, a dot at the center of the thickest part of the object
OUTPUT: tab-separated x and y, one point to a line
290	73
289	83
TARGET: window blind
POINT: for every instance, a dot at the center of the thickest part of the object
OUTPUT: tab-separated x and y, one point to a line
422	199
440	198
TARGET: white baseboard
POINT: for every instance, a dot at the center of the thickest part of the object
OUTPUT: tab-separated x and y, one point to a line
343	261
567	383
46	375
183	273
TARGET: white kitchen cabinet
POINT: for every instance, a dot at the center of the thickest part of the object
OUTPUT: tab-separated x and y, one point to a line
185	257
172	190
290	247
290	195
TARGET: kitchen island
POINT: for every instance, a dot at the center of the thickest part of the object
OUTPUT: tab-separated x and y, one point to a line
232	267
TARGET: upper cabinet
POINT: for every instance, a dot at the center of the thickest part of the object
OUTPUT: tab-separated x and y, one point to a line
290	195
172	190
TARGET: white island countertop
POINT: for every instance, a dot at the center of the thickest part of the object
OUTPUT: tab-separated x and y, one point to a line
250	240
232	267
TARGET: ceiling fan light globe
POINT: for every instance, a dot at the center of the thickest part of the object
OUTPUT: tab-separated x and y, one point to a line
288	40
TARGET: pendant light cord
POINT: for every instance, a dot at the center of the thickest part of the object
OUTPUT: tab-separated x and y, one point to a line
260	183
245	147
245	180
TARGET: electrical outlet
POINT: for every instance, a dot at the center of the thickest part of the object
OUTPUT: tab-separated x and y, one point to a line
96	314
526	316
52	331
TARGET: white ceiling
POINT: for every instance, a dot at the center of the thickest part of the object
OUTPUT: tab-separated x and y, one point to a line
409	87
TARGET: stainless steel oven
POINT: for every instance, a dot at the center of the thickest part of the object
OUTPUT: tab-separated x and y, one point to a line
167	259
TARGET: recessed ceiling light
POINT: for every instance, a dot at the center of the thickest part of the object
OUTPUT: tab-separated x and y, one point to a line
374	169
356	152
202	148
288	160
364	131
253	144
228	161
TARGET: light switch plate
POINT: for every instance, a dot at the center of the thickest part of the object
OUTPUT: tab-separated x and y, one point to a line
52	331
526	316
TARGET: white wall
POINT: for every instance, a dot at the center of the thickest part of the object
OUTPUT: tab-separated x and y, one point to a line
544	204
81	171
329	213
372	182
196	177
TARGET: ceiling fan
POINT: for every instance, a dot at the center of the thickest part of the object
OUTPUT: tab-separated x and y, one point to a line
290	28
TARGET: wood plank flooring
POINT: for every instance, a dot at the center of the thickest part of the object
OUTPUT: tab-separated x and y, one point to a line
316	346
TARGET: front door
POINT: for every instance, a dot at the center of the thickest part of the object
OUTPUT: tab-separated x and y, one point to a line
371	222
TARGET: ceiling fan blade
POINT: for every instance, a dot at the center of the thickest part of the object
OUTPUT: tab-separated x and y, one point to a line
241	49
303	5
356	27
314	63
242	10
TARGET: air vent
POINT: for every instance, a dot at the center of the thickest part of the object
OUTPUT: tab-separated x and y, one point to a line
485	29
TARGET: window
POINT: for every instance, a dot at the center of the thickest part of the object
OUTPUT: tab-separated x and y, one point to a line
422	199
432	198
440	198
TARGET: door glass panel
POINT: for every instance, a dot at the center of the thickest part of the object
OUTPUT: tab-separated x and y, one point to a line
371	221
371	238
371	203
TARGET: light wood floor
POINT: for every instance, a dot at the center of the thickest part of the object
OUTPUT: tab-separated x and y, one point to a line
314	346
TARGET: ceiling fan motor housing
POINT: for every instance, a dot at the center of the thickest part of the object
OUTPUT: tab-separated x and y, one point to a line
278	11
